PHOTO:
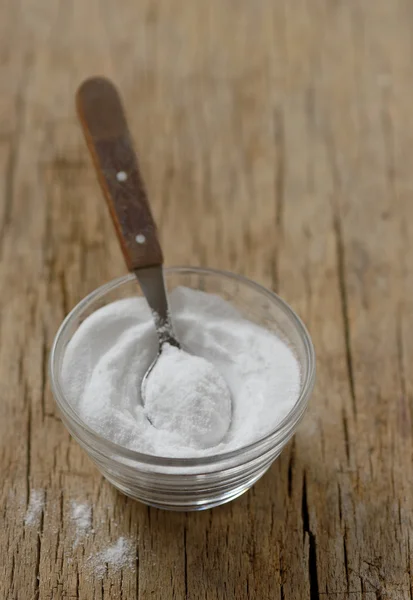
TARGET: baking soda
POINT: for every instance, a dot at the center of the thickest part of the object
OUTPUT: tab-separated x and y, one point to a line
115	557
81	517
187	395
35	508
108	355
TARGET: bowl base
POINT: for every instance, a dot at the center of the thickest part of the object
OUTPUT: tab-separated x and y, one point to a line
188	505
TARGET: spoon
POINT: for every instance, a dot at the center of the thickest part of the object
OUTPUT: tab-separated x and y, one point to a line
109	141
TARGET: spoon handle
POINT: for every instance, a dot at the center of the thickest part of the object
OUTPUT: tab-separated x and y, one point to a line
109	141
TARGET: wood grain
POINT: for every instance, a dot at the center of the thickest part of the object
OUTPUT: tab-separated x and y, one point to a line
285	129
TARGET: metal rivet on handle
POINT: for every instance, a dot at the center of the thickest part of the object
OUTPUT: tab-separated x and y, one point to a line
121	176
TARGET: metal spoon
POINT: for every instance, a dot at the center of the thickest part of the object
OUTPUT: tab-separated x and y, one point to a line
153	287
107	135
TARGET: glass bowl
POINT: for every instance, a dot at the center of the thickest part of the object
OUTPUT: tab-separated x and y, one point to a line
189	483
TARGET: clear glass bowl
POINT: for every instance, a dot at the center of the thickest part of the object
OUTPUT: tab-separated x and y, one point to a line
189	483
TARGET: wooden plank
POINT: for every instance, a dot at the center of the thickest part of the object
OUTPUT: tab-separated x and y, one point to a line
285	128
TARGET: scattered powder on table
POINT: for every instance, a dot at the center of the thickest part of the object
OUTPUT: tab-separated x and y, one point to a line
108	355
119	555
35	508
81	517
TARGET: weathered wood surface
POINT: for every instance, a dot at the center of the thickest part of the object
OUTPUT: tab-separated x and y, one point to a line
286	129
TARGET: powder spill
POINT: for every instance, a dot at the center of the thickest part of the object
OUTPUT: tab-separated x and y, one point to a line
81	517
108	355
118	556
35	508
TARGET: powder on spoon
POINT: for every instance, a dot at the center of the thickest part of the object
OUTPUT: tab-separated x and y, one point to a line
108	355
187	395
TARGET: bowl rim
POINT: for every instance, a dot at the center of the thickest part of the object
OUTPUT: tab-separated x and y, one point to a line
282	429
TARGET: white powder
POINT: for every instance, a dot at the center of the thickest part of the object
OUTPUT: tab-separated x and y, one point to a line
118	556
106	359
35	508
186	394
81	517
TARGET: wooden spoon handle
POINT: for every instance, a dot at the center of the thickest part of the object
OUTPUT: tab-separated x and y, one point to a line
107	135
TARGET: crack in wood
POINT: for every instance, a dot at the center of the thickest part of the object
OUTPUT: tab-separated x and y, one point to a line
345	309
137	583
312	555
346	566
341	263
185	561
44	367
346	435
340	506
312	568
279	192
39	549
12	575
291	464
9	189
65	295
77	585
29	444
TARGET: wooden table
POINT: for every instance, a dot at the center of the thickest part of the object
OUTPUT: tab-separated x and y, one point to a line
276	139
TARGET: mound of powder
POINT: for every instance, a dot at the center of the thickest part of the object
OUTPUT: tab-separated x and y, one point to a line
108	355
187	395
